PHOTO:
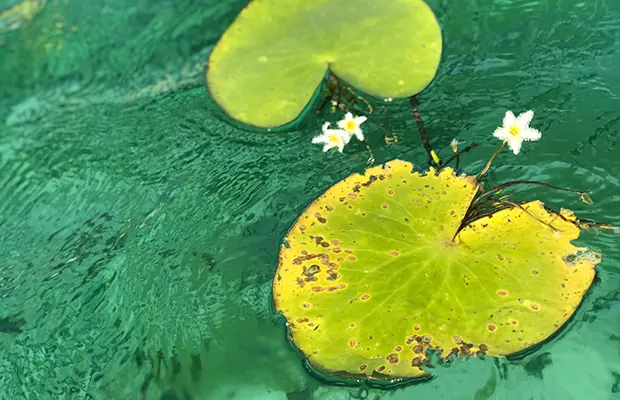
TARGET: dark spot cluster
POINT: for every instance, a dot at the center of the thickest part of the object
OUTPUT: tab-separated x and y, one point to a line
310	272
371	179
320	218
392	358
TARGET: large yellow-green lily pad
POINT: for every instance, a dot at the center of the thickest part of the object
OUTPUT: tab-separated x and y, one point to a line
370	277
268	64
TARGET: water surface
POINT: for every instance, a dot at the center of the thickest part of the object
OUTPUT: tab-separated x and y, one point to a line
139	229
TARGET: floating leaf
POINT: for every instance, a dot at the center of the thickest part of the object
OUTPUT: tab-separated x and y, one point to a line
268	64
371	277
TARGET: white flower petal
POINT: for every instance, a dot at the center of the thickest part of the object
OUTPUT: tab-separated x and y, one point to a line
502	133
341	147
345	136
319	139
327	146
524	119
342	124
360	120
325	126
515	145
531	134
509	119
348	116
358	134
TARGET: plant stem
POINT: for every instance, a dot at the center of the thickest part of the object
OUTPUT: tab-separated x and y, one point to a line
465	150
511	183
486	168
418	119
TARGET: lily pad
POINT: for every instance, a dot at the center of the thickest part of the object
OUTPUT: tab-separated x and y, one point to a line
371	276
269	63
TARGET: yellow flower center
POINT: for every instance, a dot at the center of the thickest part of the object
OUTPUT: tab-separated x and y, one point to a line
334	139
351	125
514	131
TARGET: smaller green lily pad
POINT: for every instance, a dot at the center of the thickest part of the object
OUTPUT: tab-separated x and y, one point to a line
268	64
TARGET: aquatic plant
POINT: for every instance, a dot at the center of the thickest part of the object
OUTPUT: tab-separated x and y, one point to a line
386	269
395	270
269	64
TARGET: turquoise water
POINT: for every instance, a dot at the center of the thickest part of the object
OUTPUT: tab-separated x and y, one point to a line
139	230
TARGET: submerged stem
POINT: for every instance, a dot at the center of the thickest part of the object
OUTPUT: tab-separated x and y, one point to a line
486	168
432	156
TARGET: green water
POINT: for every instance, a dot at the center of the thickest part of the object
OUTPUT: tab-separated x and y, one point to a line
139	230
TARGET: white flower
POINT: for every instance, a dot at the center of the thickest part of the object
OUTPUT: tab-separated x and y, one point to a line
351	125
516	130
454	144
332	138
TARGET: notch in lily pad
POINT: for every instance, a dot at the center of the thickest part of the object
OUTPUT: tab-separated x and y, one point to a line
266	68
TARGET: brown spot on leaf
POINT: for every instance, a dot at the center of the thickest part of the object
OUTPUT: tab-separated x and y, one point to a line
340	259
416	327
363	367
416	362
329	208
336	249
320	218
300	282
514	322
499	256
332	277
302	227
302	320
352	258
398	348
381	368
313	269
305	305
317	289
534	306
363	214
534	272
364	297
392	358
483	347
457	339
351	325
394	253
390	192
371	179
352	196
502	292
491	327
335	242
352	343
348	251
324	244
384	206
417	349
